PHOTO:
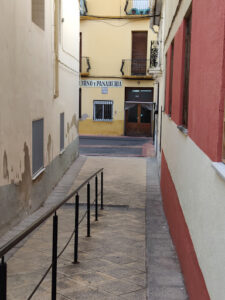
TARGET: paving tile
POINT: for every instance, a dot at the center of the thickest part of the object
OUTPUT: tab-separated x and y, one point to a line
112	262
118	287
137	295
168	293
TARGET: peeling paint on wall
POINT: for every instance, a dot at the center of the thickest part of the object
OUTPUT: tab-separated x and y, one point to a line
74	122
5	166
26	183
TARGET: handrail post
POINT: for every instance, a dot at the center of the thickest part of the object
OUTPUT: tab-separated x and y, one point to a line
88	211
76	230
54	256
96	198
3	280
102	205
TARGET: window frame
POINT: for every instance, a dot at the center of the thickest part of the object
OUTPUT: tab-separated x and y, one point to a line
39	170
187	60
62	132
171	79
102	102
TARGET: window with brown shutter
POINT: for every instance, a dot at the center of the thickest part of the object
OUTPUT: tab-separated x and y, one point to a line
171	78
38	13
187	69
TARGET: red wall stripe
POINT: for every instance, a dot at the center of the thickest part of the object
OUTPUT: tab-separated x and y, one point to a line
193	276
206	93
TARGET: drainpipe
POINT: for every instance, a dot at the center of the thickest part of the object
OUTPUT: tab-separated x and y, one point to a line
155	20
56	49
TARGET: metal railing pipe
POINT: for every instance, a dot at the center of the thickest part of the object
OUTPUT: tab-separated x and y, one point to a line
3	280
88	211
96	198
102	205
54	256
76	230
19	237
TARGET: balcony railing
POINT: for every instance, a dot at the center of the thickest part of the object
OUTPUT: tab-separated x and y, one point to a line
137	7
83	8
155	57
135	67
85	66
56	253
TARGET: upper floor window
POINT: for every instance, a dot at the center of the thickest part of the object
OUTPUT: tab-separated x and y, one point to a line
103	110
137	7
186	70
38	13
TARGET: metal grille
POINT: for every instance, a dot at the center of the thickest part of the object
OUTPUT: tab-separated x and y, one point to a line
37	146
155	55
61	131
103	110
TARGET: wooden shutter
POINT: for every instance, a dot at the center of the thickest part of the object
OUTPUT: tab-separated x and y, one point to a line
139	52
187	70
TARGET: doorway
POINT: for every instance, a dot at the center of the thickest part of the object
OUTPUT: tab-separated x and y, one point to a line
138	120
138	111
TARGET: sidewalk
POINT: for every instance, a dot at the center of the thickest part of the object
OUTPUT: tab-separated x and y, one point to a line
112	263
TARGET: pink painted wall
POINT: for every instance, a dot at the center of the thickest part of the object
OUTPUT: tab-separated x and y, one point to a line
178	75
207	76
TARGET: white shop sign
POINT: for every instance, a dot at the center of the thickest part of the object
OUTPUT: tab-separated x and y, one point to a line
101	83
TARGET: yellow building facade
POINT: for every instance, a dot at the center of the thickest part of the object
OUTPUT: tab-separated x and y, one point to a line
119	60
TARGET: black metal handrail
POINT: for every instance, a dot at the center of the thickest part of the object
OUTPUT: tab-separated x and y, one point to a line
21	236
135	67
85	65
137	7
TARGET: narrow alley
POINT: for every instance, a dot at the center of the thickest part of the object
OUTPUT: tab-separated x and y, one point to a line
114	262
112	149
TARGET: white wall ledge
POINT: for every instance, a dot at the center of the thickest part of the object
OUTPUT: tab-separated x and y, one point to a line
220	169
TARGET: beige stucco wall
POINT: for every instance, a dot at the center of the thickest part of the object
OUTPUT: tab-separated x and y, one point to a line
27	89
107	42
106	8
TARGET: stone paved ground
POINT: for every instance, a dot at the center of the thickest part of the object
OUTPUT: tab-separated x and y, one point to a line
112	263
